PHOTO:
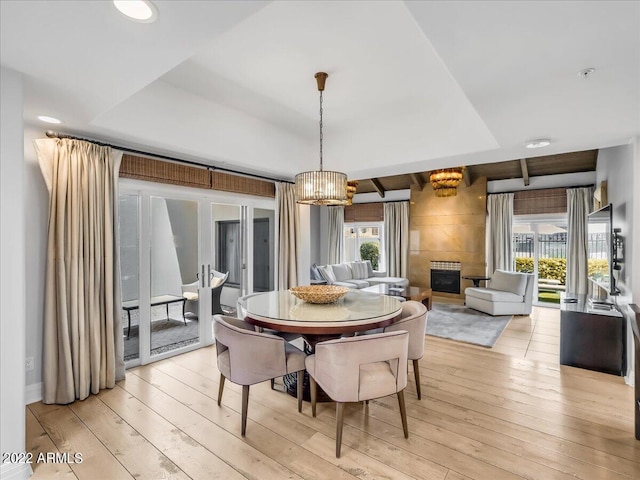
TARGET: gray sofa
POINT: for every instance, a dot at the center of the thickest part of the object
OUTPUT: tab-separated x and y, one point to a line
508	293
357	274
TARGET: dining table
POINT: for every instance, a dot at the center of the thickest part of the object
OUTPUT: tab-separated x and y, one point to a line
356	311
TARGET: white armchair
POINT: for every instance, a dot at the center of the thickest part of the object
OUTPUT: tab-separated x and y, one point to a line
508	293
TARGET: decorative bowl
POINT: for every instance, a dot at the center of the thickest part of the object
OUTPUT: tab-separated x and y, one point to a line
319	293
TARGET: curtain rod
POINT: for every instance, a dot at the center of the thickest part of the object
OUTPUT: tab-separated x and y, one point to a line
52	134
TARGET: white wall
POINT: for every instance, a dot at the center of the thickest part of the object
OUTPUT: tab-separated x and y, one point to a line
36	218
165	270
12	274
616	165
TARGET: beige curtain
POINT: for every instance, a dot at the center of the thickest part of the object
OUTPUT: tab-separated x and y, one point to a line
396	238
578	208
336	234
500	232
82	345
289	235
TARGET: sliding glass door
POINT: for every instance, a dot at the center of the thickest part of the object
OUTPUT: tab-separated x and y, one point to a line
540	247
184	258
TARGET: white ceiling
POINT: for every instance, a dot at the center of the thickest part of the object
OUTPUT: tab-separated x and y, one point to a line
412	85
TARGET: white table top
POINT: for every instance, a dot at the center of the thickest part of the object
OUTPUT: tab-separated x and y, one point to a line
356	309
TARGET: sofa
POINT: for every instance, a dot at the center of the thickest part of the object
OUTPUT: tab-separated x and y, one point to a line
507	293
358	274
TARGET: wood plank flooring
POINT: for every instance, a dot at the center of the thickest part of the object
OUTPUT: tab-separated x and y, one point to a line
484	415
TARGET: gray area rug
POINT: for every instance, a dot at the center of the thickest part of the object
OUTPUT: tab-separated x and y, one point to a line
457	322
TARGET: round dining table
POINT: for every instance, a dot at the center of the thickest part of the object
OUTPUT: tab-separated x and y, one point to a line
357	311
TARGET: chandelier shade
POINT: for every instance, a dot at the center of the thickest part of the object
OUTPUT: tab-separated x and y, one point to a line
321	187
445	181
352	186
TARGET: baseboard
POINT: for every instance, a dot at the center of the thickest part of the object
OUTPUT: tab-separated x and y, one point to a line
33	394
15	471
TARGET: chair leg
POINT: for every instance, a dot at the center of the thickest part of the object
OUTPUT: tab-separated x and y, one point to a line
416	373
220	389
299	388
245	407
273	383
403	413
313	390
339	422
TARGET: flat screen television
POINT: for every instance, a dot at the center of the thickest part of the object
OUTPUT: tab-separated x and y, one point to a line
600	254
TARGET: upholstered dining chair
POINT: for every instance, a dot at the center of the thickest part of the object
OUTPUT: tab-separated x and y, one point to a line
413	319
241	312
354	369
247	357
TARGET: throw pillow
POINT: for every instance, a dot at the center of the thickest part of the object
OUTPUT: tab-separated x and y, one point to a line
513	282
315	273
327	274
342	272
369	269
360	270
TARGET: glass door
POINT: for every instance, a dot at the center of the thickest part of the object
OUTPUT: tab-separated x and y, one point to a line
540	247
184	258
174	274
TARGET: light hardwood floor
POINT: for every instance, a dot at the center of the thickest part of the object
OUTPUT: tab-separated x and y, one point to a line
484	415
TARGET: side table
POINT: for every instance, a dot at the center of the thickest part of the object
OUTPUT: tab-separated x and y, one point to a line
476	279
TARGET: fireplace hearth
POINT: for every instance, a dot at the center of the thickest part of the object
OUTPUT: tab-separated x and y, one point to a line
445	276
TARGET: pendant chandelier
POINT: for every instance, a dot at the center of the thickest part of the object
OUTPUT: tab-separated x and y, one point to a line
321	187
446	180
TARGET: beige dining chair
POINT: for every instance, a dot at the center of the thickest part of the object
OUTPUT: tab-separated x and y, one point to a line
413	319
241	312
247	357
355	369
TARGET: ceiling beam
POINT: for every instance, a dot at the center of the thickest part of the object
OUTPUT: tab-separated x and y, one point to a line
525	171
466	177
415	179
378	186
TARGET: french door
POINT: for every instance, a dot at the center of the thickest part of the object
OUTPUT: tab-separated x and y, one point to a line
540	247
175	244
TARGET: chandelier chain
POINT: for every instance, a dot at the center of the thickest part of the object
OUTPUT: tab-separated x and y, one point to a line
320	130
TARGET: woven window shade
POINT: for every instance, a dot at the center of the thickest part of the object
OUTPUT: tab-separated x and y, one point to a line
151	170
239	184
160	171
552	200
364	212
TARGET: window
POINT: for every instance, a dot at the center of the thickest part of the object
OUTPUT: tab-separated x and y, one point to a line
357	234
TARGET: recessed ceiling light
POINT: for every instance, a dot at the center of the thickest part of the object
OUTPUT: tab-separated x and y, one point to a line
138	10
539	143
47	119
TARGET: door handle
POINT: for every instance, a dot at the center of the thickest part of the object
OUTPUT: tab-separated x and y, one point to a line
209	274
203	277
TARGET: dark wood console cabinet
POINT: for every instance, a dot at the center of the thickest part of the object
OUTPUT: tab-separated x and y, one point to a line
591	338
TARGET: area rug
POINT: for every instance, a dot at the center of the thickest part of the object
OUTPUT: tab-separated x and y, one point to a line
457	322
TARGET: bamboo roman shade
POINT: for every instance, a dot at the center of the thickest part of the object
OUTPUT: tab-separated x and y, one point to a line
551	200
160	171
364	212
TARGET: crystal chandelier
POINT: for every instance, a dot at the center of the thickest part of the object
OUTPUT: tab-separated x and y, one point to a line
321	187
446	180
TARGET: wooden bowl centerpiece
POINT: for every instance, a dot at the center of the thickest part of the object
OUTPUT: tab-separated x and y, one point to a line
319	293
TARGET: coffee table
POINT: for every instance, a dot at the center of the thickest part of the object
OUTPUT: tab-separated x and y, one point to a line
418	294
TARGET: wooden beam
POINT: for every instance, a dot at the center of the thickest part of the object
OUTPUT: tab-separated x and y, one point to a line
378	186
525	171
415	178
466	177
